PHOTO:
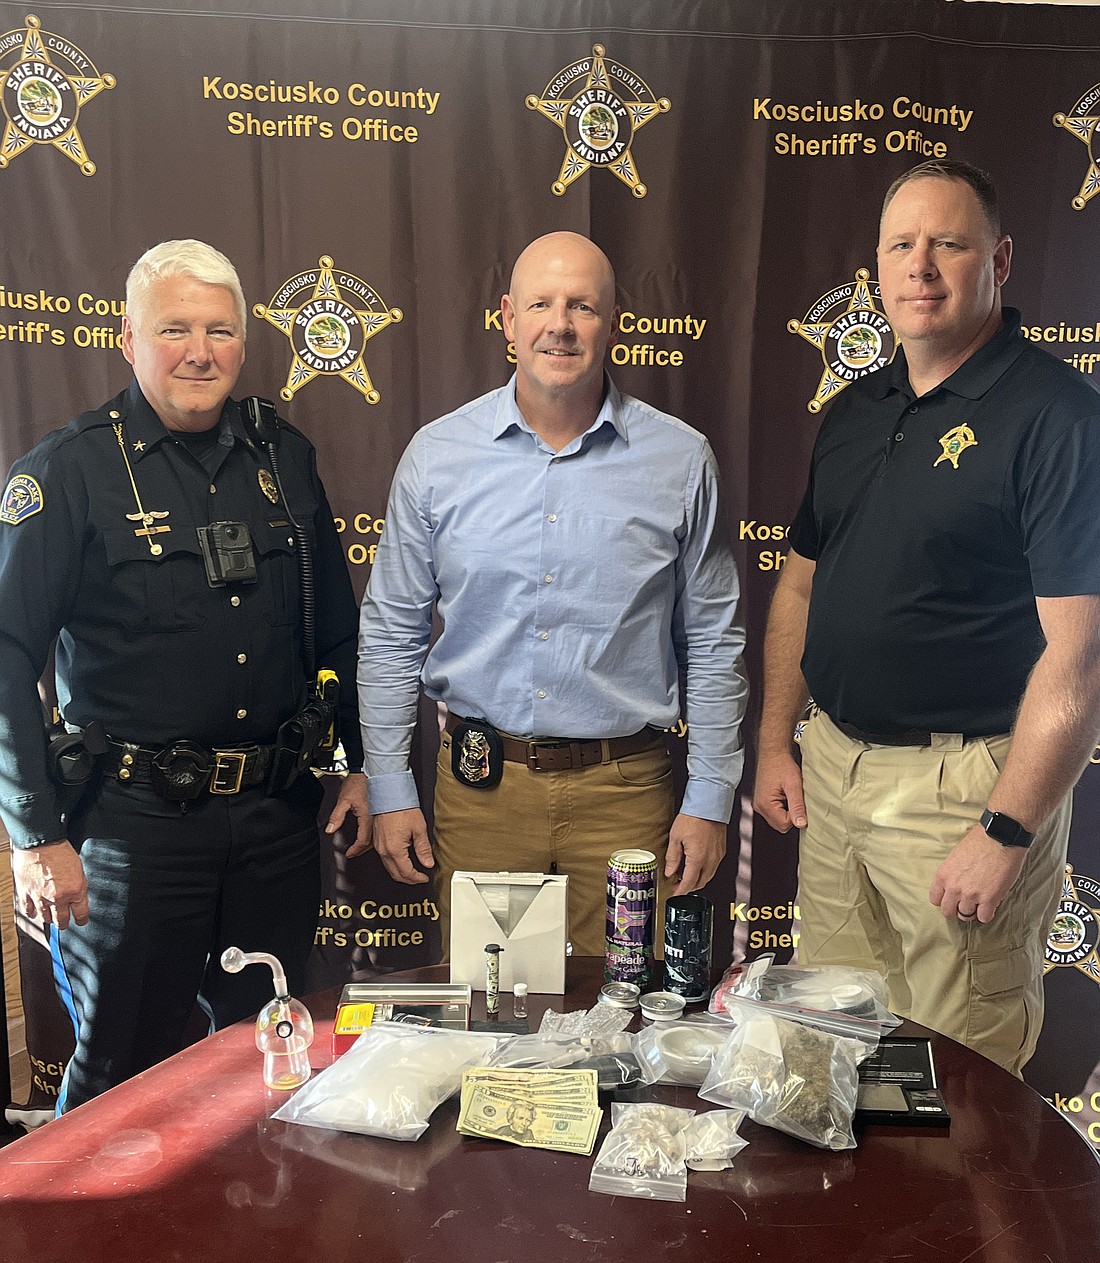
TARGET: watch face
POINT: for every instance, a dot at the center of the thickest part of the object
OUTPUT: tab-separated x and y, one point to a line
1004	829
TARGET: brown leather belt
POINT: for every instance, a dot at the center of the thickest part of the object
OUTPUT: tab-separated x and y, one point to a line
564	754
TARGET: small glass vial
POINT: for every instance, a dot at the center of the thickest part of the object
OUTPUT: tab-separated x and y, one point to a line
519	999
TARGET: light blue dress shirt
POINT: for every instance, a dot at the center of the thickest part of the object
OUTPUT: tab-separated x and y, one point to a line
572	588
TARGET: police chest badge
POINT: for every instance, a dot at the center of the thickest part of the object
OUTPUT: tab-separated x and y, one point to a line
954	443
22	499
268	487
477	754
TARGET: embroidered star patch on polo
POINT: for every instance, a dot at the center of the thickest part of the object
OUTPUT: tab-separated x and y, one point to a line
954	443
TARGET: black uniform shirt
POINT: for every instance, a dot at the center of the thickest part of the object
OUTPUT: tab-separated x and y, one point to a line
934	523
144	643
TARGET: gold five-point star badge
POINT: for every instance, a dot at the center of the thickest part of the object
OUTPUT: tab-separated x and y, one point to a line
849	327
599	104
329	316
44	80
1082	122
1074	936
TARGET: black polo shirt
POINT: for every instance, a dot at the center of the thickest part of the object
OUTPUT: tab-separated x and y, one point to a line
934	523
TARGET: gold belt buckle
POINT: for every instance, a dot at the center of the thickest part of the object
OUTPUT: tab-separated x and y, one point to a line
228	763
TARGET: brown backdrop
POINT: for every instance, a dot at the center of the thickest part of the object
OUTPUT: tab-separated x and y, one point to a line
415	146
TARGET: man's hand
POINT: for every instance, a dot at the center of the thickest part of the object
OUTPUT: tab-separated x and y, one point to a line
976	876
353	798
777	794
396	833
50	884
700	844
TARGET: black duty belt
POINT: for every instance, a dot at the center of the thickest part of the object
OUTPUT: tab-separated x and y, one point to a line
227	771
565	754
909	737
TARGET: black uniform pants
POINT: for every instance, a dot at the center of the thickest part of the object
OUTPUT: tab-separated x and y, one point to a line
168	892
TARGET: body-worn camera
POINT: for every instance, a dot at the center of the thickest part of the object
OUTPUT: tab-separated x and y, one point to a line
227	552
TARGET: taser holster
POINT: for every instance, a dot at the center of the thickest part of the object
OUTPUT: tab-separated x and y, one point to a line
300	738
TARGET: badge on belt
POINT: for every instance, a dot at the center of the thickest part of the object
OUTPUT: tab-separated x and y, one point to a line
477	754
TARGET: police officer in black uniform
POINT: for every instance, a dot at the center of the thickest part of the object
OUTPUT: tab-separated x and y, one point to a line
169	541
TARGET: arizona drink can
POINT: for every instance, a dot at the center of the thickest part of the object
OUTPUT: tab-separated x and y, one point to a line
631	909
689	927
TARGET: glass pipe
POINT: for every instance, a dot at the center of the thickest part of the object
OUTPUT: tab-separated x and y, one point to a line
284	1028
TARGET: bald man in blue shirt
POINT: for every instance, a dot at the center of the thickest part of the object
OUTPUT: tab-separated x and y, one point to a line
571	541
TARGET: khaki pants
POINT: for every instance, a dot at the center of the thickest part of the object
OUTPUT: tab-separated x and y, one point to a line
563	822
881	821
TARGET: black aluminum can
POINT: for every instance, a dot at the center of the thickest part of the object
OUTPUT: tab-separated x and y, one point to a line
689	929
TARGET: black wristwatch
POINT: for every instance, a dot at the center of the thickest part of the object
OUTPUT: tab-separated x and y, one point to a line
1005	830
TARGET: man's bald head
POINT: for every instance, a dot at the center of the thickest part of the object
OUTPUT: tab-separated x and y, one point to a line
560	252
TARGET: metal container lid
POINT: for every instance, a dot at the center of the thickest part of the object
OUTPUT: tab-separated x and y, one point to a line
662	1006
620	995
632	859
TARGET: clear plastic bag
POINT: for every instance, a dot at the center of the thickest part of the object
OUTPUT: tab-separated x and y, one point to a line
539	1050
600	1021
835	997
788	1075
585	1036
712	1140
688	1048
389	1081
644	1154
741	979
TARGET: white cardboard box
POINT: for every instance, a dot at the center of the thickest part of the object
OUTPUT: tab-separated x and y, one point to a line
526	913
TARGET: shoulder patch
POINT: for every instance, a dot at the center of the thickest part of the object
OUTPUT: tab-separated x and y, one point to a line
22	499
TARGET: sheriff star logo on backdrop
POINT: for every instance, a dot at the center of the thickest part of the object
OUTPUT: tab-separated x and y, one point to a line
599	105
1082	122
44	80
1072	941
328	317
850	329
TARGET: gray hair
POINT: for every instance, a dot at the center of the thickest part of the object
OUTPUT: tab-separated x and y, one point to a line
183	258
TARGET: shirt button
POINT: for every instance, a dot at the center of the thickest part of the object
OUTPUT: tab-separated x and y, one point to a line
544	635
913	409
213	490
553	517
242	658
242	714
234	600
898	437
542	692
549	578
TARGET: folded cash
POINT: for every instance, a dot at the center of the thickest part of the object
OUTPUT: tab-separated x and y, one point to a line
538	1109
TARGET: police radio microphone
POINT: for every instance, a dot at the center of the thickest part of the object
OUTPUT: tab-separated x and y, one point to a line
262	422
260	419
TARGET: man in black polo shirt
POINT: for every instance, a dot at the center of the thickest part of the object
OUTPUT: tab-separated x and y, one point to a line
941	605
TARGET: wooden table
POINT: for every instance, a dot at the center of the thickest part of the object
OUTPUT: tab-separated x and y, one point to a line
184	1163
